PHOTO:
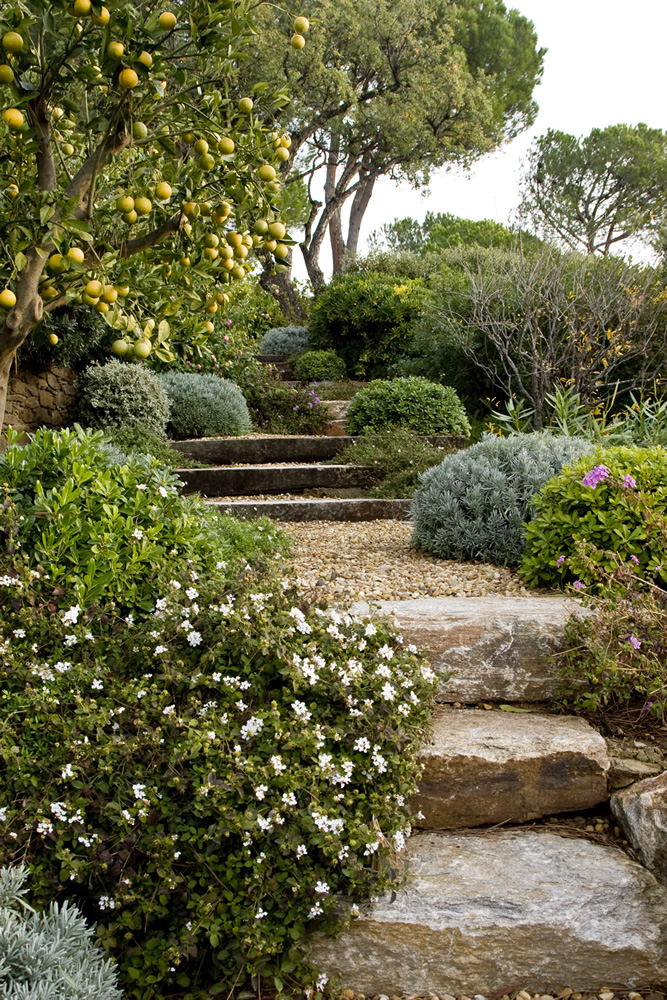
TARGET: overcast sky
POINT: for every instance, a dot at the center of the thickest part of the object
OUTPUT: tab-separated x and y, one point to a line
605	64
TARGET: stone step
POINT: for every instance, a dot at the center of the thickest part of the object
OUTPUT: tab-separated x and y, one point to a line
316	510
247	480
502	911
282	448
337	408
494	648
497	767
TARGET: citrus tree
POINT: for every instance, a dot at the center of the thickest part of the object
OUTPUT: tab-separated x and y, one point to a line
135	177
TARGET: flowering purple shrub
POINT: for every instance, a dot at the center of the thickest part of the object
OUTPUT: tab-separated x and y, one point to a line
612	500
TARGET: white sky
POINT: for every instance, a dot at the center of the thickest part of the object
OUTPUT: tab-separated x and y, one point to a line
605	64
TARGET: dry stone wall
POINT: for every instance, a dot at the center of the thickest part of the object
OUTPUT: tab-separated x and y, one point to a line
39	399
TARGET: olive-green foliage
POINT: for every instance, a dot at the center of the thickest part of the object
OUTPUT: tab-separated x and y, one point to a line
108	531
207	778
415	403
611	516
284	341
474	505
121	394
127	445
366	318
394	459
49	955
203	405
319	366
83	337
441	230
345	389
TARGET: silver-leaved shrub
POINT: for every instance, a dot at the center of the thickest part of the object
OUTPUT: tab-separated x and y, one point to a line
475	504
284	341
205	405
48	955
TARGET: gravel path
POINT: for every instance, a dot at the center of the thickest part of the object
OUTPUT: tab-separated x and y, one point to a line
370	560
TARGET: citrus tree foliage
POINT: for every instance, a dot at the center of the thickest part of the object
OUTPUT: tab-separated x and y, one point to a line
593	192
393	90
132	177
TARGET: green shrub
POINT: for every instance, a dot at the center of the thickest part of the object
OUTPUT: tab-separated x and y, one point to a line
602	500
50	955
204	405
367	318
209	779
120	394
475	503
319	366
83	337
107	531
394	460
415	403
276	407
284	341
125	445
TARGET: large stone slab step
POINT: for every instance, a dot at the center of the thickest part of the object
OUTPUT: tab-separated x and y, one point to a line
496	767
495	648
503	911
282	448
316	510
245	480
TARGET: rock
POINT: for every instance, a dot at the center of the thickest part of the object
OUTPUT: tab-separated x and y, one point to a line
538	910
493	767
496	648
641	811
625	771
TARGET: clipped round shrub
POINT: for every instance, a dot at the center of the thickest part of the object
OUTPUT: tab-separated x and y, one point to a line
474	505
207	781
204	405
284	341
606	501
119	394
48	955
414	403
319	366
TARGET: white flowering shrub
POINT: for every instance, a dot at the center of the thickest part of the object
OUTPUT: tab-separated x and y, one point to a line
205	405
49	955
207	777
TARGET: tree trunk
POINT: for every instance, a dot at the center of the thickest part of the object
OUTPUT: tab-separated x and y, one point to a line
20	321
286	295
359	205
311	257
338	247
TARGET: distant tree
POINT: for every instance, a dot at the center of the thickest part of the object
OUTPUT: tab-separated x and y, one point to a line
594	192
391	90
441	231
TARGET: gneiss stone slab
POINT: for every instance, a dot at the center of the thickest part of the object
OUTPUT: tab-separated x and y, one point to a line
494	767
481	912
641	810
496	648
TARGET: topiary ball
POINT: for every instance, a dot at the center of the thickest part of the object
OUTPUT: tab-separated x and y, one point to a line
415	403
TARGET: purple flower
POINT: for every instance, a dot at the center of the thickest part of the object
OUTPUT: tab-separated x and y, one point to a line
647	707
578	585
635	643
635	560
560	561
596	476
629	482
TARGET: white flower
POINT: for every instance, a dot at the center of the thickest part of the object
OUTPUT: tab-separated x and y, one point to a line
252	727
210	735
277	764
67	771
370	630
323	888
142	486
261	791
371	848
411	648
386	652
139	791
388	692
264	824
194	638
221	565
159	649
161	603
301	711
44	826
315	911
97	684
19	633
141	694
383	671
72	616
289	798
59	810
191	593
301	850
3	814
362	744
70	640
175	584
106	903
321	982
260	914
138	533
428	674
126	814
162	491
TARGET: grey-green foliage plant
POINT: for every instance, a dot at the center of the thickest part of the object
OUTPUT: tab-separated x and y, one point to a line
283	341
318	366
50	955
205	405
120	394
414	403
475	504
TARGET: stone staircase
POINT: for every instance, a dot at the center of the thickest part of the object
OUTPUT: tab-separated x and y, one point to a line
491	906
245	471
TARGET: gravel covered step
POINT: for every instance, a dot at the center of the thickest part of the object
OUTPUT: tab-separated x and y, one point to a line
317	510
262	448
496	648
244	480
482	913
497	767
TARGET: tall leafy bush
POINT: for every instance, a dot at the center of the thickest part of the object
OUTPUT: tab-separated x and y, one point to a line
413	403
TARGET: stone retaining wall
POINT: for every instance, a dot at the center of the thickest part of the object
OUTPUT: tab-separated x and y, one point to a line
39	400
